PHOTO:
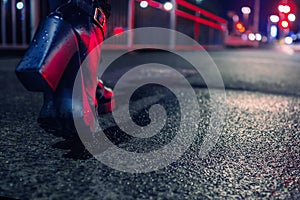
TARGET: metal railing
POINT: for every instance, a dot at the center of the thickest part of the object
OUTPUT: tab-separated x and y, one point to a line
14	24
20	18
205	27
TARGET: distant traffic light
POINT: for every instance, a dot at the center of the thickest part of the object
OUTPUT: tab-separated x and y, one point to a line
284	8
292	17
286	14
240	27
274	18
284	24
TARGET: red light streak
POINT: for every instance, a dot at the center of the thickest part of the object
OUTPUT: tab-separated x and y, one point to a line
197	19
202	11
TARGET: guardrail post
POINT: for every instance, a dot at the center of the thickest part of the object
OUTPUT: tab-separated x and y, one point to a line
256	16
197	28
23	19
173	25
34	16
131	5
3	22
14	22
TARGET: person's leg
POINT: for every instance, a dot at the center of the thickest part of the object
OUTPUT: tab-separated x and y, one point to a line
89	36
104	95
70	38
48	113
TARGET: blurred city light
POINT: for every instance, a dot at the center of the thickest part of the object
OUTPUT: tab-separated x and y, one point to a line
199	1
288	40
244	37
235	18
258	36
264	39
246	10
292	17
118	30
251	36
273	31
284	8
239	25
274	18
294	37
284	24
168	6
144	4
20	5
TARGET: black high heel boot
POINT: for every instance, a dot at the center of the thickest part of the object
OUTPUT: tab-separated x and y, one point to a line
54	57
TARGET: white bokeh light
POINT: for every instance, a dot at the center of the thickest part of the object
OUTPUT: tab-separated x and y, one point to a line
288	40
20	5
258	36
168	6
246	10
273	31
144	4
284	8
292	17
274	18
251	37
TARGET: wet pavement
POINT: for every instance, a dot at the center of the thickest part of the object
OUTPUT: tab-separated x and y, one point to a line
257	155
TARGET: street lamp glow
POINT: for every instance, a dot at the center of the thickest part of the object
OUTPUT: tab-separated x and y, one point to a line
168	6
292	17
274	18
246	10
20	5
144	4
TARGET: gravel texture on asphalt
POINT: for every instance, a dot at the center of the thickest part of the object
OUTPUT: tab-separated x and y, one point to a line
256	156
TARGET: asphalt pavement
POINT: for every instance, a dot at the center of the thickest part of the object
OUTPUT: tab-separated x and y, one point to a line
257	155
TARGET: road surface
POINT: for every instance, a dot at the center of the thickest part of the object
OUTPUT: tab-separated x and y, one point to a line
257	155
